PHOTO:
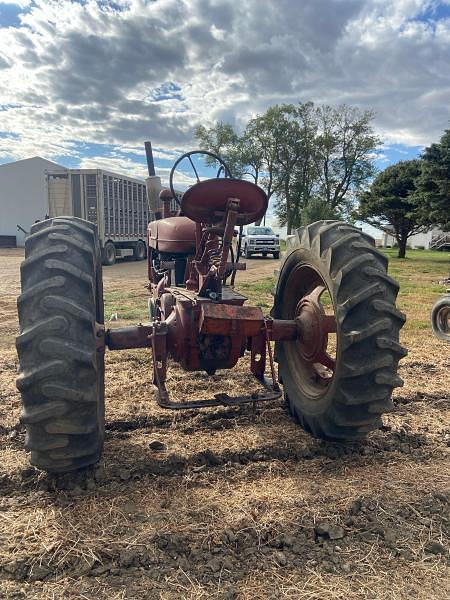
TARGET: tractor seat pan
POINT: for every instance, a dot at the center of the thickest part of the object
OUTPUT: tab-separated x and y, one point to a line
206	201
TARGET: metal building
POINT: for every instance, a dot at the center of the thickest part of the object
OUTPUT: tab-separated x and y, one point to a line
23	197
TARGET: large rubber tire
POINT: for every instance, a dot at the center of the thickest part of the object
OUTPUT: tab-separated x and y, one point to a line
440	318
367	331
276	255
247	253
61	372
140	251
109	254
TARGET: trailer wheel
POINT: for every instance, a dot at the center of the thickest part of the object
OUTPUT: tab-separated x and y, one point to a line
440	318
140	251
339	375
109	254
61	376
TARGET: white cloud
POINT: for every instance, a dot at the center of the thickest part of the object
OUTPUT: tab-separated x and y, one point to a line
132	168
86	72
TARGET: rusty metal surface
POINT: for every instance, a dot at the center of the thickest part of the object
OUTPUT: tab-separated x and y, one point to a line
280	329
226	319
173	235
220	399
206	202
124	338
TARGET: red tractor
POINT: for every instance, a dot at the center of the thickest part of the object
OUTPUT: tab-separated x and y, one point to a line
334	321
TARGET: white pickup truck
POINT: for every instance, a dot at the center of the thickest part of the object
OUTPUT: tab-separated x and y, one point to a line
259	239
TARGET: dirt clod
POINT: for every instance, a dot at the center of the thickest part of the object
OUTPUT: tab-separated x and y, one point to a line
128	558
329	531
157	446
436	548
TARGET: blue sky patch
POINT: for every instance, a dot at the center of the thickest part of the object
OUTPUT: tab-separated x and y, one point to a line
393	153
10	14
435	12
167	91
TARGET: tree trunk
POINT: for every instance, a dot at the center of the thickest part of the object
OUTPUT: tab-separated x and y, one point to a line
288	215
402	246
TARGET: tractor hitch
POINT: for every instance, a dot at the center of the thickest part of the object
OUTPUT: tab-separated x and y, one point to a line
245	323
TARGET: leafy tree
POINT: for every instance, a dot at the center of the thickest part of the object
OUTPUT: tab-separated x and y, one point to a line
317	209
260	145
392	203
252	155
300	153
221	139
295	172
345	149
434	183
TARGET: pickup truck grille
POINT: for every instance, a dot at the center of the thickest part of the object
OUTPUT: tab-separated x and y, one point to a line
265	242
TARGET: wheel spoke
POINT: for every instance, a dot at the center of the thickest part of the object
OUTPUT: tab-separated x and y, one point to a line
316	292
195	170
325	359
322	375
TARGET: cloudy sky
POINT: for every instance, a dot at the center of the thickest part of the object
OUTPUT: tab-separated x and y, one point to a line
85	83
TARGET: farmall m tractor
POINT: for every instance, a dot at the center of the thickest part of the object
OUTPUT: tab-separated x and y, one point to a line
334	321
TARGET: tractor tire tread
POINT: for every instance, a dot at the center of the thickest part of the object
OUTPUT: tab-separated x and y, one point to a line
369	325
61	373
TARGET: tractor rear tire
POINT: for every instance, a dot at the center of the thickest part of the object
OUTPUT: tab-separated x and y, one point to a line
61	371
362	296
440	318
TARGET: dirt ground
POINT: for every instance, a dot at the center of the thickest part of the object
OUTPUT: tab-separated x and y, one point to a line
230	503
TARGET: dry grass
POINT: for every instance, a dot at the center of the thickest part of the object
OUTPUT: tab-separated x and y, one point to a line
233	486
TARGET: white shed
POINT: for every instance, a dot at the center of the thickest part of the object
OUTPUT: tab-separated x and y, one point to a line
23	196
424	240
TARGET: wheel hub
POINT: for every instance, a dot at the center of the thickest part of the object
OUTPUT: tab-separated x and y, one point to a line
313	338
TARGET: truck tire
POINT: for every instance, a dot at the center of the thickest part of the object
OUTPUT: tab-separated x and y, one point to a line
440	318
247	253
109	254
140	251
276	255
340	398
61	373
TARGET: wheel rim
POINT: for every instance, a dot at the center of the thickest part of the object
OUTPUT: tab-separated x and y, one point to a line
311	358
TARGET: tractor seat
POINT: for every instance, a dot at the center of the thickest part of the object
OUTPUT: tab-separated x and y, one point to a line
206	202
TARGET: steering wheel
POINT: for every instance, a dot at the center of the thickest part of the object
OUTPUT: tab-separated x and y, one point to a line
222	169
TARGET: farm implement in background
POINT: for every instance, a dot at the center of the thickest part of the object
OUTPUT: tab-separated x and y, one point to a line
334	320
440	315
